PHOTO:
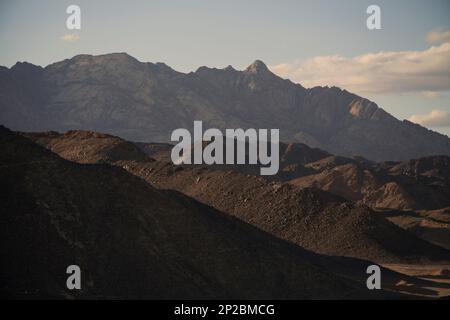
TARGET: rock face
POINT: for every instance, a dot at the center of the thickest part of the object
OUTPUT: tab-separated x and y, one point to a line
138	101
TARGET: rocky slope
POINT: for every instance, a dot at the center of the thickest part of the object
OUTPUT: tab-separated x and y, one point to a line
382	186
138	101
431	225
313	219
420	184
134	241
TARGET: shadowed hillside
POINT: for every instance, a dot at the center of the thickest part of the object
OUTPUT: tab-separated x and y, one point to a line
313	219
134	241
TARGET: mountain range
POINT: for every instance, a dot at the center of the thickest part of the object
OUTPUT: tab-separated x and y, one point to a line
117	94
87	179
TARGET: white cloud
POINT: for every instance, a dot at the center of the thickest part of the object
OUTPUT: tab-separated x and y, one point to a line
70	37
376	73
438	36
436	118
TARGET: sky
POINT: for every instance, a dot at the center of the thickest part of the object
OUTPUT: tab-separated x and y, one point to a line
404	67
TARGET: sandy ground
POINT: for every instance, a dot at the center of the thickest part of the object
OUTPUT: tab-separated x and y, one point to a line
431	281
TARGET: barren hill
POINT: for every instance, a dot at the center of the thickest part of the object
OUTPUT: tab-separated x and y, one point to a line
419	184
431	225
134	241
313	219
380	188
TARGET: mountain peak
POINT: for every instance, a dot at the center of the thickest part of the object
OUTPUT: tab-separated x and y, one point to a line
24	66
229	68
116	57
257	67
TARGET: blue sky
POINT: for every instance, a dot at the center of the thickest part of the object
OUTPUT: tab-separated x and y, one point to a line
189	34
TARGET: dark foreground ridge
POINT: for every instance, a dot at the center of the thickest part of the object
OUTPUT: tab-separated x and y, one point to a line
134	241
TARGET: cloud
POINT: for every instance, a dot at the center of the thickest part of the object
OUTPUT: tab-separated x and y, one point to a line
438	36
70	37
384	72
436	118
430	94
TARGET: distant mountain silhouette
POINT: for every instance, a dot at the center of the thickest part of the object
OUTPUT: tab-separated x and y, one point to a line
117	94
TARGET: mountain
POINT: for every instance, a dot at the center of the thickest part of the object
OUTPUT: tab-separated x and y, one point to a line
313	219
117	94
388	187
132	240
431	225
418	184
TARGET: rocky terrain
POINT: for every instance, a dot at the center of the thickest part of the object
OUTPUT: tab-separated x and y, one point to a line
112	214
420	184
117	94
431	225
134	241
355	187
383	185
314	219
